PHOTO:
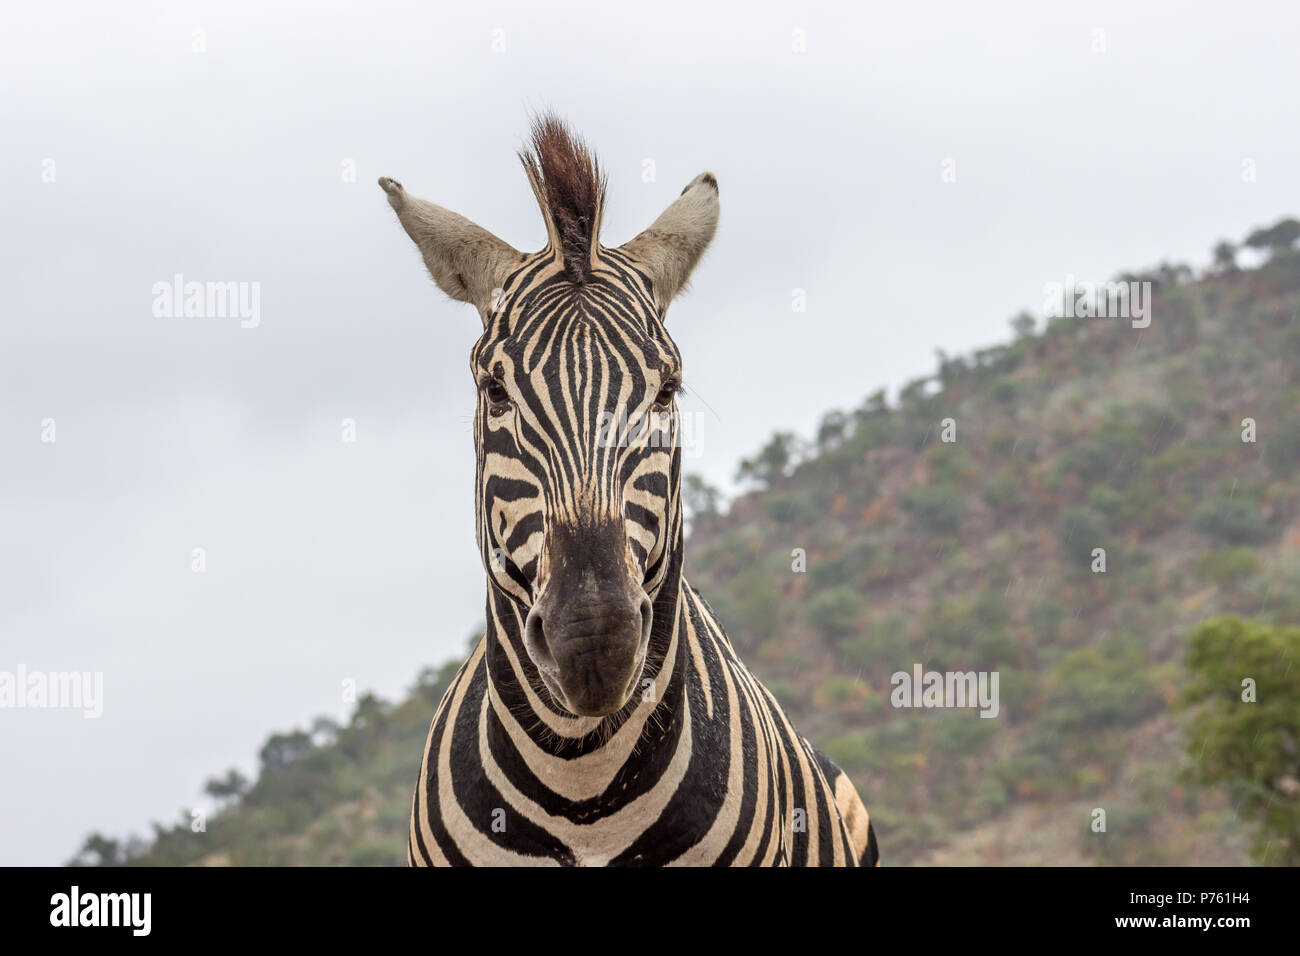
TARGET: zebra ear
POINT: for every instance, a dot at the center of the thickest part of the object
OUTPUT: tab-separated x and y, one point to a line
671	247
467	261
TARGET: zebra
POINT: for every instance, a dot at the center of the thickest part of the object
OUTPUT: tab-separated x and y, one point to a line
604	717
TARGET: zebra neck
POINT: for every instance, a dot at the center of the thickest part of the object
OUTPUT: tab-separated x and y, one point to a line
522	716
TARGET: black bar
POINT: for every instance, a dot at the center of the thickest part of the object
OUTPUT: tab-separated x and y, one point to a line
928	906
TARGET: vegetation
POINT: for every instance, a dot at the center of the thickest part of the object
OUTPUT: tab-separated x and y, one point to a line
1246	733
1119	676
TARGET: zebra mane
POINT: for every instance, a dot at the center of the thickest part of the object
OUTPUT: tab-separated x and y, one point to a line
570	188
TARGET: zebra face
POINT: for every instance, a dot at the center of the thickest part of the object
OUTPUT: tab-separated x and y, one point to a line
576	428
579	473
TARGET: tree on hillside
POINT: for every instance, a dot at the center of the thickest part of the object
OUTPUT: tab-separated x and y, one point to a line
1277	239
830	433
98	850
1023	324
700	498
1165	276
874	406
1170	274
773	461
951	369
324	731
1245	684
371	715
283	751
233	784
1225	257
912	395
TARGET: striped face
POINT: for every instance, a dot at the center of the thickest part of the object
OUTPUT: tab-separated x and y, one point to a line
579	470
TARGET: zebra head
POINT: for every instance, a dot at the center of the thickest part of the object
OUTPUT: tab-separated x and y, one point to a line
579	468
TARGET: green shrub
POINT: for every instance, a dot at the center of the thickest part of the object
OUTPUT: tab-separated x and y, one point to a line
949	635
990	795
881	647
1113	451
1233	520
1098	688
1227	567
852	564
1177	314
1002	494
1105	500
1161	426
1282	447
951	464
1045	620
995	647
835	612
1080	530
840	689
963	733
790	509
1005	390
1248	743
938	509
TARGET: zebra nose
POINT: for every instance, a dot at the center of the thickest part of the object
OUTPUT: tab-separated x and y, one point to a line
592	652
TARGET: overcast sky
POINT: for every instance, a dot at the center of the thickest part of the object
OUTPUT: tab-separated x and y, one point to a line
216	141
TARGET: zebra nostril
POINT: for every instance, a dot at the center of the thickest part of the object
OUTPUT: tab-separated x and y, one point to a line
647	621
535	643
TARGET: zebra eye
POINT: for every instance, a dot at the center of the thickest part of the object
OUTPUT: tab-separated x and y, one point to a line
665	396
497	396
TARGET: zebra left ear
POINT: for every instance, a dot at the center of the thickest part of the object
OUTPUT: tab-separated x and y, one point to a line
467	261
671	247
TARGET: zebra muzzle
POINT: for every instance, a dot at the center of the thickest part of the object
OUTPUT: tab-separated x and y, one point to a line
590	651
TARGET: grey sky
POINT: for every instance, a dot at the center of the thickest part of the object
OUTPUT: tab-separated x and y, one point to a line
329	560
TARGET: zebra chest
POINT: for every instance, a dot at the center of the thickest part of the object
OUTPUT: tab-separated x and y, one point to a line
639	806
708	773
610	810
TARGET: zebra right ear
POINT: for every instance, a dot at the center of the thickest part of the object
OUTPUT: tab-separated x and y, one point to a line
468	262
673	244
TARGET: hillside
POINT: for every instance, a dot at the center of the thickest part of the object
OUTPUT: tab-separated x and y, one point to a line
971	554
